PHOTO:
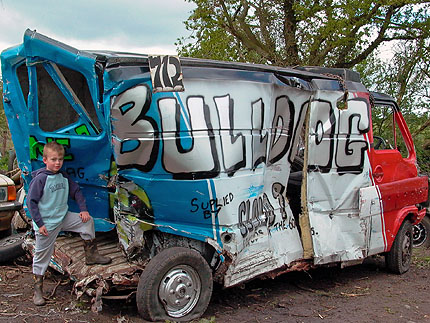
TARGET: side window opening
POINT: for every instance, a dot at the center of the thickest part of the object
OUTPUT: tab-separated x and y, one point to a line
22	74
79	86
400	142
55	112
386	132
61	109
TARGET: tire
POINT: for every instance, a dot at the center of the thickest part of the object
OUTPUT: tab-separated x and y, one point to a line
11	247
6	233
168	279
421	237
399	258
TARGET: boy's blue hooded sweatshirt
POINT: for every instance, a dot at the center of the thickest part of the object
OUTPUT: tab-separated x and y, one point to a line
47	198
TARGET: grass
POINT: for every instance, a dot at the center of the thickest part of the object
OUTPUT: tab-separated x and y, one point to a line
421	257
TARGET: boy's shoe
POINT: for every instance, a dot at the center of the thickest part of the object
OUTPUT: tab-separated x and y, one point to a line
92	255
38	291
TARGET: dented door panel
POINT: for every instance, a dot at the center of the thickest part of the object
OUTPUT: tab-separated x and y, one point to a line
338	166
61	104
221	155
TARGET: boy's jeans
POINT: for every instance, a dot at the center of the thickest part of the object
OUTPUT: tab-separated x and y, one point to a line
44	247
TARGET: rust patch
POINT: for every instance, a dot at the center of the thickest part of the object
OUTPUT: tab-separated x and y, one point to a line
222	269
299	265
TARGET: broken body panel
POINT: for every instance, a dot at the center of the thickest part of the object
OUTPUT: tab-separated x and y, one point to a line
215	167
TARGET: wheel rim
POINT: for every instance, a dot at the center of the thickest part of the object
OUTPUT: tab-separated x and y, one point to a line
180	290
420	234
406	249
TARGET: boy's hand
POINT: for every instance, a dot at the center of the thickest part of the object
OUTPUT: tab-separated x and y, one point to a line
43	231
85	216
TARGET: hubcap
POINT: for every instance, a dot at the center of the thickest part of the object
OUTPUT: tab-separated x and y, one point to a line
420	234
179	290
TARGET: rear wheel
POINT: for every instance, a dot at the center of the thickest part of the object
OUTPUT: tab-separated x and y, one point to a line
11	247
398	259
175	285
421	237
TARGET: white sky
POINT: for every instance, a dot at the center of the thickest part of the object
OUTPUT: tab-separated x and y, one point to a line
139	26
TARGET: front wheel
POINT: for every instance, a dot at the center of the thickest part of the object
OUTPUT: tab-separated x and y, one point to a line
398	259
175	285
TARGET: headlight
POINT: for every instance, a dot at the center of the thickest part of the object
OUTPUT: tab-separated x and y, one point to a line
3	194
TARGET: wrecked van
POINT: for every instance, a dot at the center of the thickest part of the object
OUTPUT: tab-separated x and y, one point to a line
214	171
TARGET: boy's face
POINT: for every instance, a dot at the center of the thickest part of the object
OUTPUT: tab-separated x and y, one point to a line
53	161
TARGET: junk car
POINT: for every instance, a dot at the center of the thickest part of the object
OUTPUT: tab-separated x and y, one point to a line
8	204
213	171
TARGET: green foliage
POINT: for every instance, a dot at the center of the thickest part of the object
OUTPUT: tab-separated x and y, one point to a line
4	163
406	77
423	158
5	138
2	118
3	122
218	44
336	33
421	258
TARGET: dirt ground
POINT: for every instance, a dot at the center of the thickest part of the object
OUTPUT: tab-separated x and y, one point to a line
363	293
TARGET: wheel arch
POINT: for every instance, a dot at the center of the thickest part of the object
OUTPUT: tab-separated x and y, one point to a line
409	213
163	240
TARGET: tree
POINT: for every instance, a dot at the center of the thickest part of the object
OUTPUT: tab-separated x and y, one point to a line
332	33
336	33
4	129
406	77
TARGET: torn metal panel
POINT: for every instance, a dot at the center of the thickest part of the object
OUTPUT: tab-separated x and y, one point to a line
300	265
306	232
52	94
265	252
370	210
69	259
131	208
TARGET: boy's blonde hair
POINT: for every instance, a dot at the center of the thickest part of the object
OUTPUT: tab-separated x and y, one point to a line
53	146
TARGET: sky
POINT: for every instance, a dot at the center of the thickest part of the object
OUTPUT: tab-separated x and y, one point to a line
137	26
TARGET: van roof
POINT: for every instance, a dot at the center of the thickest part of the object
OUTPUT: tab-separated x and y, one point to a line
111	59
115	59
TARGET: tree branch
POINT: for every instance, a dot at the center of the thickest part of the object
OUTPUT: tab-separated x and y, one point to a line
424	126
264	26
247	38
359	22
373	45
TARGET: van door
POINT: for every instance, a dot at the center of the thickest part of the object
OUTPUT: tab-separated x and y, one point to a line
337	167
62	98
394	170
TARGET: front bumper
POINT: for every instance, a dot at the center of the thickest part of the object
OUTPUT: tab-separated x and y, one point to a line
7	210
10	206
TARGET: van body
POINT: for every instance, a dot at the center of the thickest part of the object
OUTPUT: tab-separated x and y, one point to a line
217	171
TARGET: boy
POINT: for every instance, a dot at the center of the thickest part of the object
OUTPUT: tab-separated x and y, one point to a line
47	202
